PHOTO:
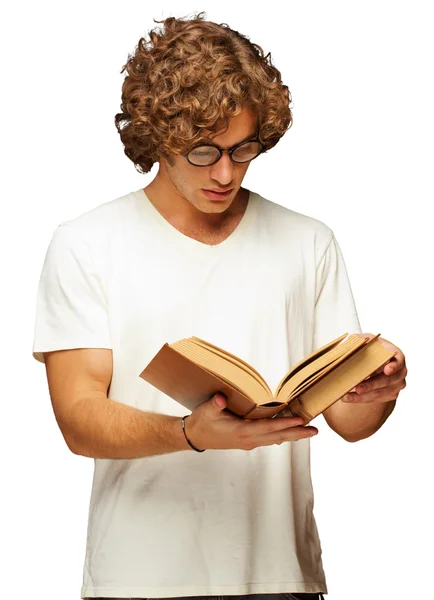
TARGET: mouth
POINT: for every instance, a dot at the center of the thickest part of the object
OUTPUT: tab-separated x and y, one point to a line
218	195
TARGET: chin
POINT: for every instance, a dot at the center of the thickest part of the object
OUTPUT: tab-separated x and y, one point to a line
215	206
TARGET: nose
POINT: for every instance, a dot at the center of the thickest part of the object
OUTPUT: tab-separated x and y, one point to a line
223	170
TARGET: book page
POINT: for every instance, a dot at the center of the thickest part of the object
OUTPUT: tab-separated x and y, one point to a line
228	370
234	359
311	380
360	365
308	359
319	364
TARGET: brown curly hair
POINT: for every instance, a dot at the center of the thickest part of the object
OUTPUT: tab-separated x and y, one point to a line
184	84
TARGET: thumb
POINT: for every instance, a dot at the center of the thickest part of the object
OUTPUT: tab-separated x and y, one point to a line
219	401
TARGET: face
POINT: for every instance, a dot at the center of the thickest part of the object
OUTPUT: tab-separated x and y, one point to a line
189	181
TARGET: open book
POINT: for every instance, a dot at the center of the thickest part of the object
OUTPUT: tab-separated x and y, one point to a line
191	371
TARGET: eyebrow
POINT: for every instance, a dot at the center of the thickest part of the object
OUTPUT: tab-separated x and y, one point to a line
249	137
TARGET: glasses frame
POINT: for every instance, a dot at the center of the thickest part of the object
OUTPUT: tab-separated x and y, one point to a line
221	151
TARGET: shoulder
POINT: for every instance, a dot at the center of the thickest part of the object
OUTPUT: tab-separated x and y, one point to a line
104	218
287	223
90	239
101	228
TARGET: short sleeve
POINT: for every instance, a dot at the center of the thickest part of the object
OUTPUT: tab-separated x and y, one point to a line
335	310
71	309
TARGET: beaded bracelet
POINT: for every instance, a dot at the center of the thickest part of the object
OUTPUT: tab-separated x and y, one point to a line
185	435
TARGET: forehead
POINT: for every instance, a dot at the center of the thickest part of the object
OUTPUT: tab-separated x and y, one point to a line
240	127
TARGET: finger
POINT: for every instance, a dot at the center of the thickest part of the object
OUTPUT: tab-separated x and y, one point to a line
398	360
219	400
292	434
379	395
396	364
265	426
380	381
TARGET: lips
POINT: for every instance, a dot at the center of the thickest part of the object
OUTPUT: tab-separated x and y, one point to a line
219	195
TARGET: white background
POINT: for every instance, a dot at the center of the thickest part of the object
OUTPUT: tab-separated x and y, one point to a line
359	157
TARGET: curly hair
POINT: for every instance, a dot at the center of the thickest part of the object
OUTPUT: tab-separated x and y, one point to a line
186	81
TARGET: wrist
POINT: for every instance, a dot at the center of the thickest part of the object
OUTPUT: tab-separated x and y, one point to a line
187	438
178	435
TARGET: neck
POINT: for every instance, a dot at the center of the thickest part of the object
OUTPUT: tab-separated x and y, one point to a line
182	214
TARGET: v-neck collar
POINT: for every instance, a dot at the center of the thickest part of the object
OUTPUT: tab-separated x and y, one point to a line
192	242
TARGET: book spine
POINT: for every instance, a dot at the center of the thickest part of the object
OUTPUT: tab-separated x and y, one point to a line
297	410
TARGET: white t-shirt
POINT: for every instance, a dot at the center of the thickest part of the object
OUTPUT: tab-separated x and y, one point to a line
223	522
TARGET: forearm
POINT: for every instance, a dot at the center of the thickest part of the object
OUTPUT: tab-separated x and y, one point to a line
98	427
355	422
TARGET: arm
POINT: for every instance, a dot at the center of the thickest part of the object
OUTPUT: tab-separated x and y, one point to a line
72	337
97	427
357	415
361	413
355	422
94	425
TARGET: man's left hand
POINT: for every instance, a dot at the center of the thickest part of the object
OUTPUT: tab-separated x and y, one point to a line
386	383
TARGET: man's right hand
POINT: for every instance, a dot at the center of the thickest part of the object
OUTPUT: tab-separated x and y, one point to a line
210	427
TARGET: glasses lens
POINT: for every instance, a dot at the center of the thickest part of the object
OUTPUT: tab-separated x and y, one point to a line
204	155
246	152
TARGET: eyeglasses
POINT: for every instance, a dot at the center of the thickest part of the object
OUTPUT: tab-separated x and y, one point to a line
205	156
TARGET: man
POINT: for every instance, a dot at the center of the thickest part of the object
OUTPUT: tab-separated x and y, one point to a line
182	508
